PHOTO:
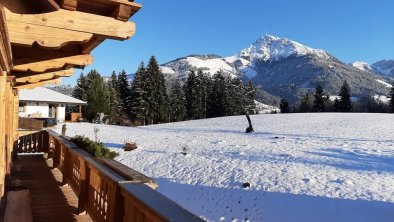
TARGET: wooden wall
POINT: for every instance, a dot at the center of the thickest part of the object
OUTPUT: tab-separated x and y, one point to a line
8	131
8	104
3	81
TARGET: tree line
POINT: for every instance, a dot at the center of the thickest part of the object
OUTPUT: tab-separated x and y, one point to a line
320	102
146	99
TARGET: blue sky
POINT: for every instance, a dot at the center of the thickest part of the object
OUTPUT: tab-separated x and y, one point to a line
351	30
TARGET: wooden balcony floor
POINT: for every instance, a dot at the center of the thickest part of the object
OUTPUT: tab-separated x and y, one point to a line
50	200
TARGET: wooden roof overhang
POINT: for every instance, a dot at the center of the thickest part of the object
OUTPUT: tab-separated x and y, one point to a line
49	38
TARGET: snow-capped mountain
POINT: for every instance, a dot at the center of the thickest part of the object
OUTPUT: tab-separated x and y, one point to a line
209	64
284	68
363	66
384	67
275	48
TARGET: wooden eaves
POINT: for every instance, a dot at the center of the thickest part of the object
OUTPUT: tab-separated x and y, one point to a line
49	38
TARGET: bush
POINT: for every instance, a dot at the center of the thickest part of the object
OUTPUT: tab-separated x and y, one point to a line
94	148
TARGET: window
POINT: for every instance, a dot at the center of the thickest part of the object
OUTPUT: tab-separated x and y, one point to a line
22	107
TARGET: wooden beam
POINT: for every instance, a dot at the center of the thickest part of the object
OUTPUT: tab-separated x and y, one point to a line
43	36
122	12
5	46
34	78
23	55
10	78
39	84
57	63
30	6
69	4
122	2
80	22
91	44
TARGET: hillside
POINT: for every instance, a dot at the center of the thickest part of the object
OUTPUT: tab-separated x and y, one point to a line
301	167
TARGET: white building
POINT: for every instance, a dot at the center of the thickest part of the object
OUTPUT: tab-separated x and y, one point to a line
45	103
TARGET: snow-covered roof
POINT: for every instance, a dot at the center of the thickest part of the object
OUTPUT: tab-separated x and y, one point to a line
41	94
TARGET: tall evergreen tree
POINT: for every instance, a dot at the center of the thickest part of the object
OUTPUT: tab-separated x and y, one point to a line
159	102
139	106
202	89
217	99
177	102
391	104
239	101
81	88
191	94
97	96
114	81
123	87
284	106
306	104
344	104
117	114
318	104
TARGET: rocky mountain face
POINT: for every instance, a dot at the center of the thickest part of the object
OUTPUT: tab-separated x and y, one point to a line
384	67
284	68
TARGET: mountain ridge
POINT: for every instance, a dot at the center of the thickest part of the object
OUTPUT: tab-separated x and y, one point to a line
283	68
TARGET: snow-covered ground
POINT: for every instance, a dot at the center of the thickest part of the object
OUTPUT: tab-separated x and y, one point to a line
301	167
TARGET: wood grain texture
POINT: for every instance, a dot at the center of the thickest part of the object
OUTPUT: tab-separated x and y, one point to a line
18	207
79	22
34	78
38	84
5	46
57	63
43	36
50	201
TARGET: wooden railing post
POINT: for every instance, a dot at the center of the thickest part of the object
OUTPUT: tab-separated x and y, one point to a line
56	155
67	165
45	142
83	186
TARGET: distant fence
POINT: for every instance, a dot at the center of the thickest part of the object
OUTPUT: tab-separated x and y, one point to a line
30	124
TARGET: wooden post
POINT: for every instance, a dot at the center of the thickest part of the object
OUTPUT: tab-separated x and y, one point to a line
3	79
83	186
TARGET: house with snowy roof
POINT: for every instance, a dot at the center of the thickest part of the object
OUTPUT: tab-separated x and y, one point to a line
44	103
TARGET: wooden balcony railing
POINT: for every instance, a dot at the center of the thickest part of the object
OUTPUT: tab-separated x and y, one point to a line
105	194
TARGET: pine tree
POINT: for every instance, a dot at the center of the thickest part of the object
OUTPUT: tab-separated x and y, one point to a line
190	89
201	88
123	87
344	103
92	75
177	102
80	89
97	96
117	114
217	99
159	102
139	106
392	100
306	104
284	106
114	81
337	107
318	104
239	101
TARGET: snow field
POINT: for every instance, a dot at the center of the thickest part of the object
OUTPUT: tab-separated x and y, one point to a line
301	167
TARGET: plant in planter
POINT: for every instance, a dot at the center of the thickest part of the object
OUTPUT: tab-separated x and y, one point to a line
94	148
